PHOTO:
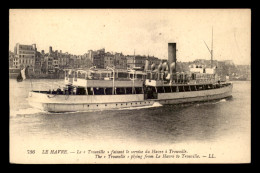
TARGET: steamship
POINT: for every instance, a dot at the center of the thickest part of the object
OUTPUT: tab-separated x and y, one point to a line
96	89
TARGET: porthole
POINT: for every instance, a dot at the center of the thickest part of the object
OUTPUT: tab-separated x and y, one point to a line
116	104
105	104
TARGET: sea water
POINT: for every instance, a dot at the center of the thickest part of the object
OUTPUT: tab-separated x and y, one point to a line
157	124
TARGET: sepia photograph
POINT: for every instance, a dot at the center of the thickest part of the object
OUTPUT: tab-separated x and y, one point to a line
112	86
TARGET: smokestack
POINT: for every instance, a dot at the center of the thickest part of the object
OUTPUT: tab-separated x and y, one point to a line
50	49
146	67
172	53
34	47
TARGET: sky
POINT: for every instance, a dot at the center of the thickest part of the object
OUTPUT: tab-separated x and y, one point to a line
143	31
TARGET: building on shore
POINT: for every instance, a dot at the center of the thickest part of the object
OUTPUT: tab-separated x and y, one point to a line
109	60
24	56
120	61
138	61
39	58
98	59
11	60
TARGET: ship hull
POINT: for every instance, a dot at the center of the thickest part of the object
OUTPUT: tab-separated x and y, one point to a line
74	103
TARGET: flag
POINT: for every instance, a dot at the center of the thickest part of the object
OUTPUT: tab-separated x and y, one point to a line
22	75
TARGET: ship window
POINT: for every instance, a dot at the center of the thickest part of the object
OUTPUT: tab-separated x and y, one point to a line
139	76
186	88
120	91
160	90
153	89
103	75
199	87
193	76
173	88
108	91
154	76
128	90
167	89
99	91
95	75
181	89
192	87
122	75
81	91
138	90
81	75
90	91
148	76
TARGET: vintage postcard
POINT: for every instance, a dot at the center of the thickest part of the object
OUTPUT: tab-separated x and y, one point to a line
130	86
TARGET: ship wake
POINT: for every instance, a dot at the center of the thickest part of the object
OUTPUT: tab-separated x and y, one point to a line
26	111
212	102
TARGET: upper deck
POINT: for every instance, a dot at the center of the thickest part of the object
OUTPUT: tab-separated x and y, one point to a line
107	78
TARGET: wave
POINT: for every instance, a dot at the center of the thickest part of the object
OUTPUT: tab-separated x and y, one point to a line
223	100
26	111
156	104
34	111
220	101
211	102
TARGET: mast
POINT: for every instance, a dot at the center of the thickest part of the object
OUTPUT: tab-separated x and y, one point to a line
211	63
210	51
134	58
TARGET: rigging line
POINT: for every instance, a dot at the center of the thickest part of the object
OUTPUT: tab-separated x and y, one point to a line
212	49
237	44
207	47
212	40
